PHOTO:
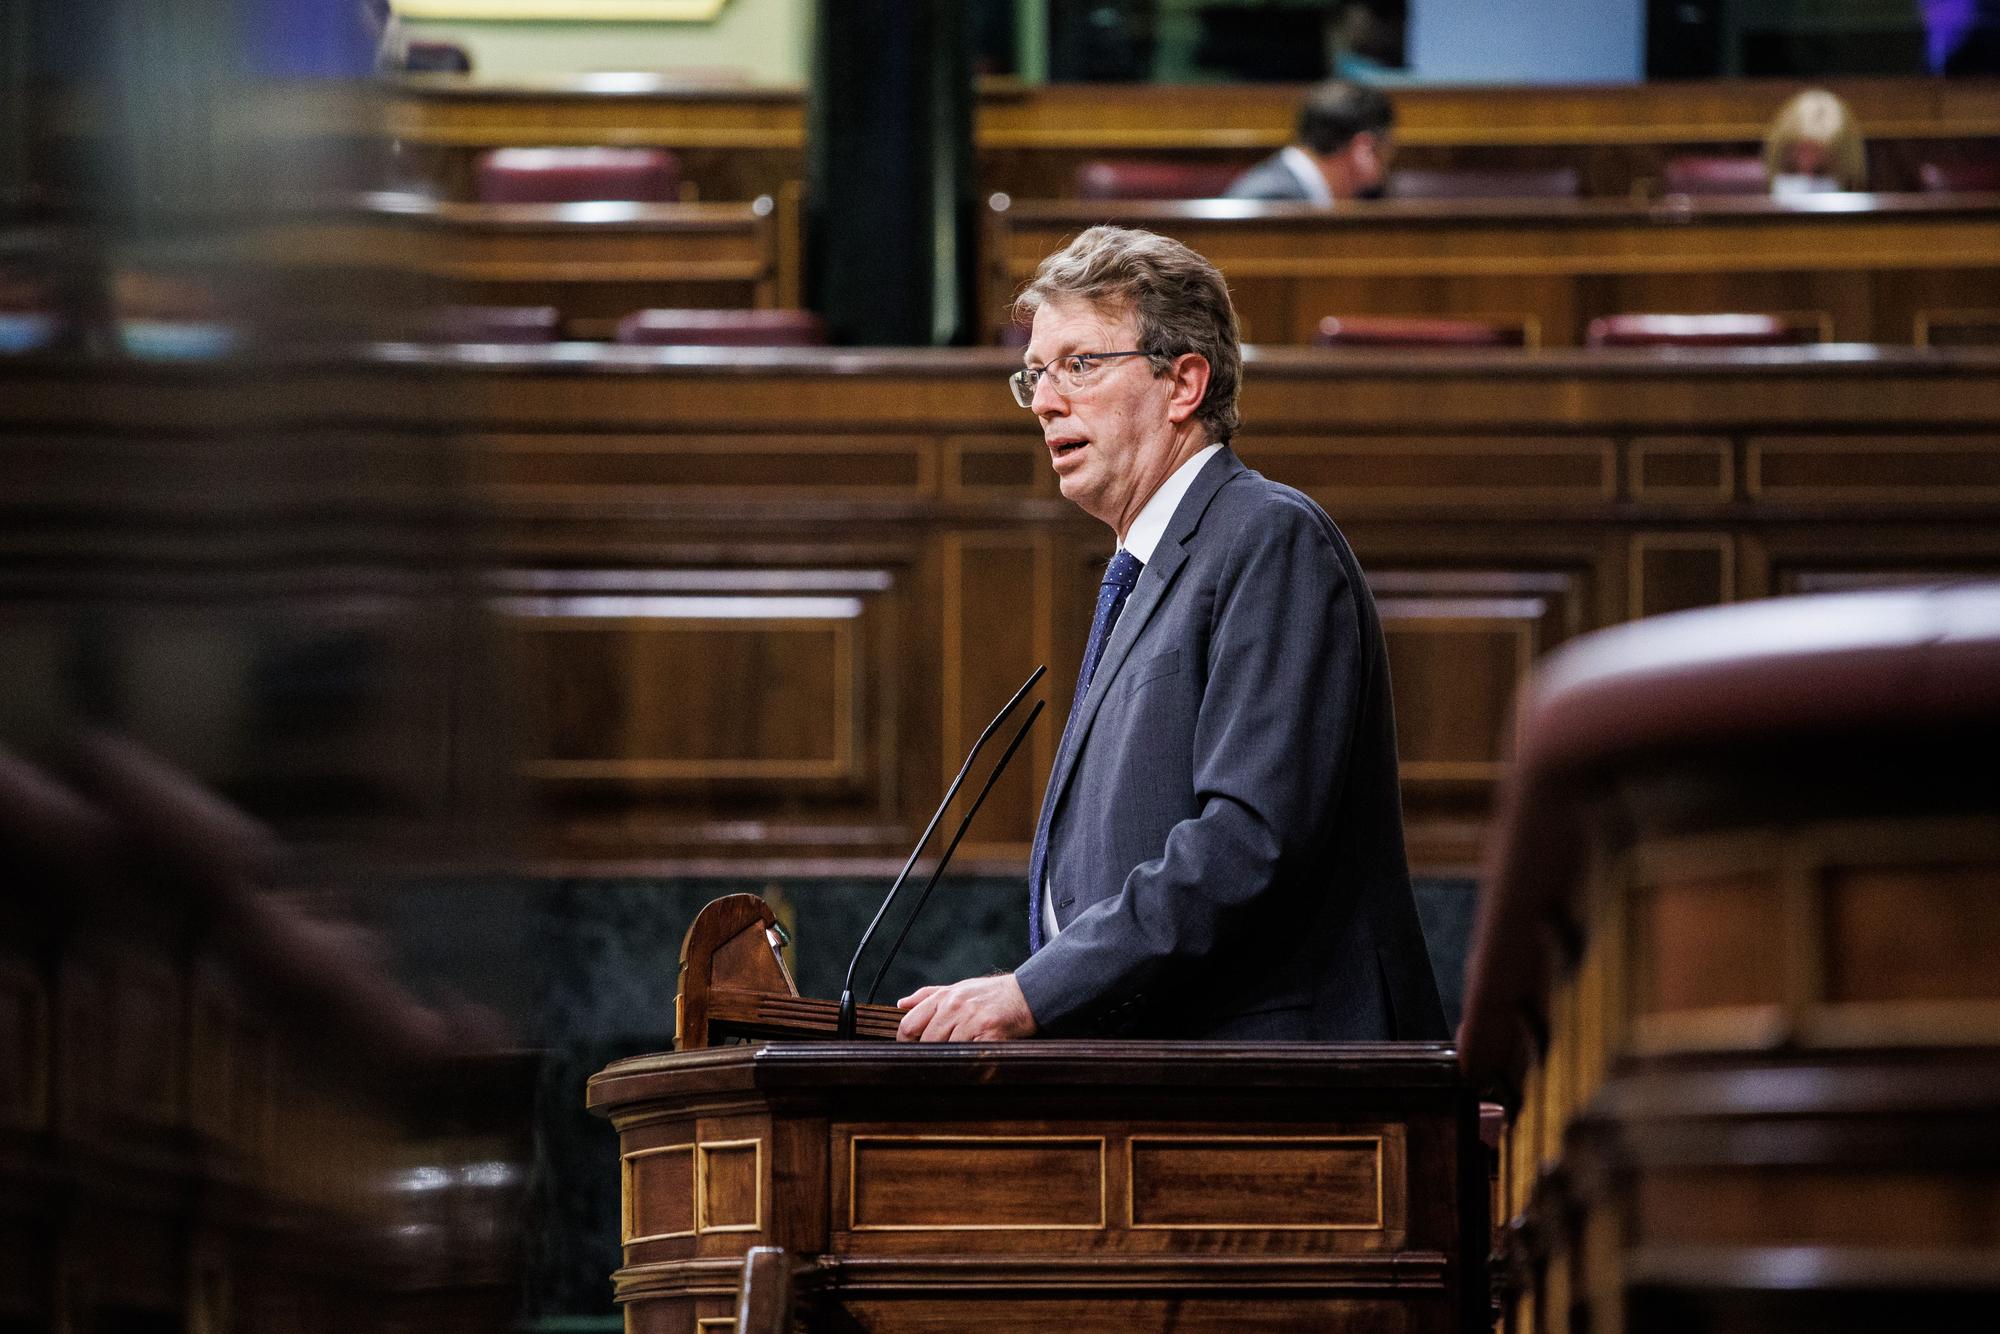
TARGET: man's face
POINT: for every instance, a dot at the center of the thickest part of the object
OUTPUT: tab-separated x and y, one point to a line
1110	441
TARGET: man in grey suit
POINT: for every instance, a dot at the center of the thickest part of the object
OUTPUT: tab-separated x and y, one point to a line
1341	150
1220	851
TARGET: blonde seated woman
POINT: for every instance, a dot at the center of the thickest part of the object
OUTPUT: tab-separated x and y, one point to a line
1814	145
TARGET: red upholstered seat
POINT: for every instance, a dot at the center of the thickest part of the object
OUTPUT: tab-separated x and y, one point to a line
1715	174
492	324
1959	177
1700	331
1555	183
577	175
1402	331
1127	178
722	328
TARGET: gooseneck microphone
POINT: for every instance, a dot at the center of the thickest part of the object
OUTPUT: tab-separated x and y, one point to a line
923	897
844	1026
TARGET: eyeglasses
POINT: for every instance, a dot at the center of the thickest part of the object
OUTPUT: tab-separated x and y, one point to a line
1071	373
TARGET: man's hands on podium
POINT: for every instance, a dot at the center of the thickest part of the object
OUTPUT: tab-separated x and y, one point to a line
979	1009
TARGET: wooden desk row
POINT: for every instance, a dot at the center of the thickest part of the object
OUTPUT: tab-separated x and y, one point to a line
1733	976
1870	268
593	262
762	602
758	603
736	143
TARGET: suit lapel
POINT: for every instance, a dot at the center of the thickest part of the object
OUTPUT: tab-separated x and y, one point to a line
1155	582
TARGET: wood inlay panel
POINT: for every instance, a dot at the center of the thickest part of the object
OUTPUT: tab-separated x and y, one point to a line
1256	1182
1678	571
613	467
1821	1205
1342	471
1913	933
981	467
1689	469
1455	665
975	1183
1709	944
659	1193
731	1195
690	687
1873	468
996	629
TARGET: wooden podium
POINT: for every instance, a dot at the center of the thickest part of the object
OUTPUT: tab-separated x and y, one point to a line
1087	1185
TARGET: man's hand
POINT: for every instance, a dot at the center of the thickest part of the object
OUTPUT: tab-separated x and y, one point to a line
979	1009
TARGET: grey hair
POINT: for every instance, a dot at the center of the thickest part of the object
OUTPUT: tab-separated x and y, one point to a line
1180	299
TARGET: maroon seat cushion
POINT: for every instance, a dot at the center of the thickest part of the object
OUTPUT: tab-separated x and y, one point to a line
577	175
1402	331
1697	331
1715	174
722	328
1555	183
1139	179
1959	177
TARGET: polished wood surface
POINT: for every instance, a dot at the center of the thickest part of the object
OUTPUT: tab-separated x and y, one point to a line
737	143
757	603
593	263
763	601
1731	975
734	983
1867	268
1095	1185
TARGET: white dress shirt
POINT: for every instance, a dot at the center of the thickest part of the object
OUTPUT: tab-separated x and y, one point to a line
1142	539
1300	163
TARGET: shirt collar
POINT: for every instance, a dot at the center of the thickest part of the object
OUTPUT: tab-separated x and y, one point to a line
1151	525
1300	163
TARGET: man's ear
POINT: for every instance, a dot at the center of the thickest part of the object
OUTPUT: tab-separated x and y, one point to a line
1364	150
1189	375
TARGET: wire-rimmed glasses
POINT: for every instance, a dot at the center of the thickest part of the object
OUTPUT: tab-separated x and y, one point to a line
1071	373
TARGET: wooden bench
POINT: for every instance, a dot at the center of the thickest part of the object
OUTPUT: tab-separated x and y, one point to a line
1870	264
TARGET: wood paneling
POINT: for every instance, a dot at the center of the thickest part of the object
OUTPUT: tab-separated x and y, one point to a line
764	599
1501	505
1676	571
736	143
1906	469
1456	664
1077	1185
1869	267
1925	933
1751	1026
1265	1183
593	262
997	591
975	1183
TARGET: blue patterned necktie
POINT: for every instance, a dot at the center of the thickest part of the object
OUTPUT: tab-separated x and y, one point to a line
1119	576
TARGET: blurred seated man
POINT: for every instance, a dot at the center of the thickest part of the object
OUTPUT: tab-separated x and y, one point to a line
1340	151
1814	145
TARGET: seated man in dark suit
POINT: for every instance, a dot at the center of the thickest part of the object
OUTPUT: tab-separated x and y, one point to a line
1220	850
1341	151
